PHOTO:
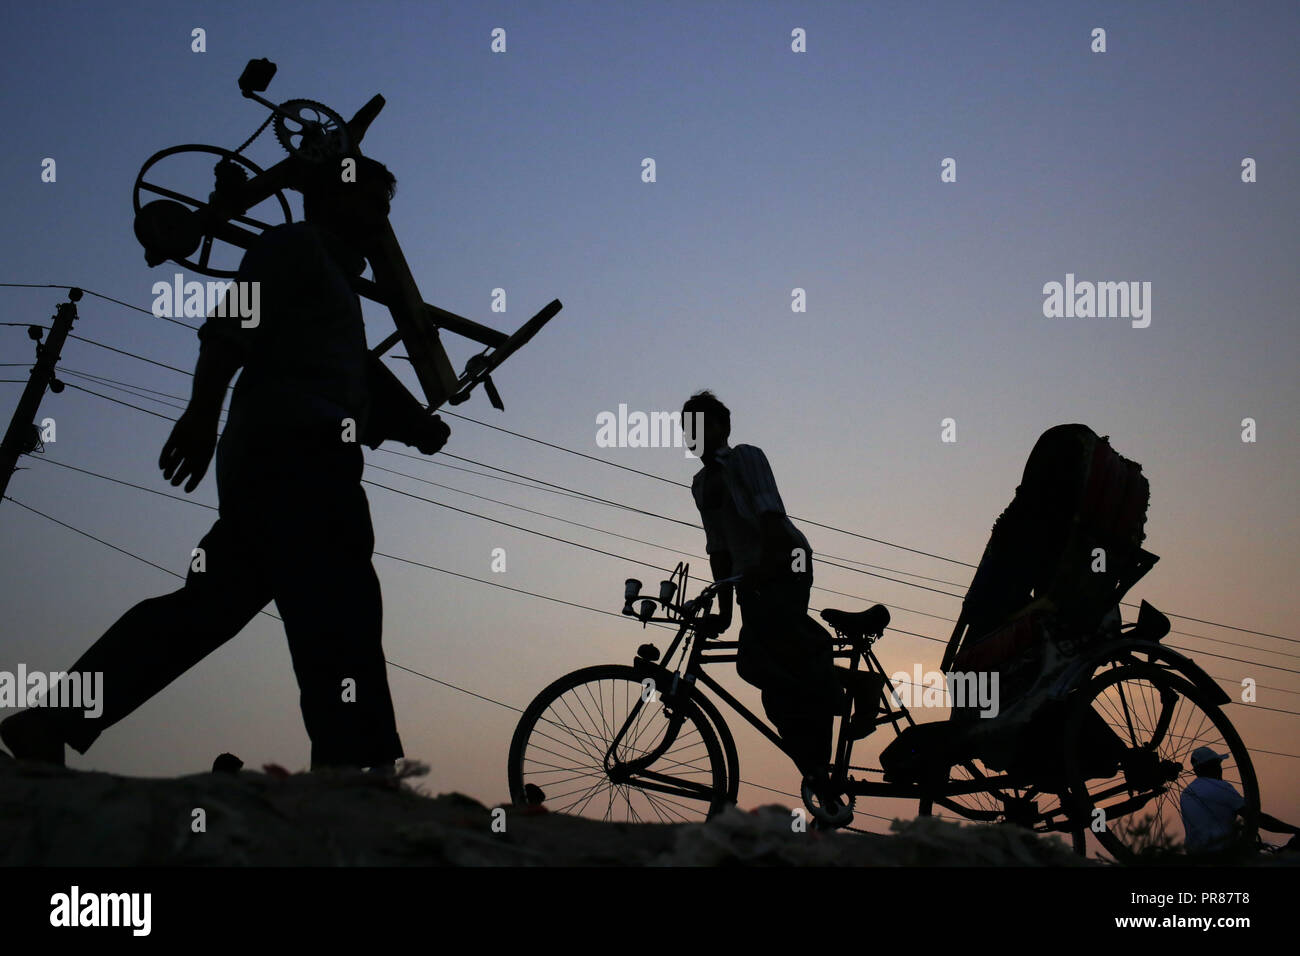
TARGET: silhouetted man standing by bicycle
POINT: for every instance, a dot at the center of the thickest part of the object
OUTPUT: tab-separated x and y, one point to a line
748	533
294	524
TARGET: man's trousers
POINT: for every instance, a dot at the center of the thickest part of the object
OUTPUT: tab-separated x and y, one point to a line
294	528
785	654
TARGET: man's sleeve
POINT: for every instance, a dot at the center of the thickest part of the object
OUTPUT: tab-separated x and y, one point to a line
271	275
755	474
228	329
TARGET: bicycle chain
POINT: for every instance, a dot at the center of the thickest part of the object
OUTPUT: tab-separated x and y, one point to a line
256	134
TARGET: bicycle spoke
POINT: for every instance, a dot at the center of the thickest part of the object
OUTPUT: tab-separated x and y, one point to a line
600	711
623	791
660	799
579	807
564	743
638	730
595	754
584	794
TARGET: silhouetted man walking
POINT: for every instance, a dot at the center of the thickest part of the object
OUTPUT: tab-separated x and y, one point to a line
294	524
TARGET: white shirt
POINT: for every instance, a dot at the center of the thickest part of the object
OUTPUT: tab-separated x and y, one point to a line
1208	807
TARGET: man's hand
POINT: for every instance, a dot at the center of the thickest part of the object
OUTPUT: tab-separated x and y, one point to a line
188	451
397	414
430	434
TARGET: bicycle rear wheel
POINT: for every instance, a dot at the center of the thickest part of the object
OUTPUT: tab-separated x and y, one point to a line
1033	808
1134	788
595	743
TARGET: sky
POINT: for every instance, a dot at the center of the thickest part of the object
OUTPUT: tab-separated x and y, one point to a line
775	171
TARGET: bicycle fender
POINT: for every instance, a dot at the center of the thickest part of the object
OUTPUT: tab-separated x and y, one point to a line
665	682
730	755
661	675
1189	669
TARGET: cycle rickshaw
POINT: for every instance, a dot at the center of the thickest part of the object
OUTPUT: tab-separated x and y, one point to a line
1095	736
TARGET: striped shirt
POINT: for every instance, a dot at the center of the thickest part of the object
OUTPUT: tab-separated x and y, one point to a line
733	493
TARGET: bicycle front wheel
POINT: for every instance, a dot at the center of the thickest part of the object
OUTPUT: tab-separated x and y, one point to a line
598	743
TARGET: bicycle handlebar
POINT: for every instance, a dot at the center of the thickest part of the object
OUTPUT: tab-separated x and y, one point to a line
716	586
686	610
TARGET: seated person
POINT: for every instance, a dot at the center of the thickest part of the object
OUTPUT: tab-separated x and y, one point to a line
1210	806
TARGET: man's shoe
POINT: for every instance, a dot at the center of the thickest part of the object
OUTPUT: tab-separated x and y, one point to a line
29	736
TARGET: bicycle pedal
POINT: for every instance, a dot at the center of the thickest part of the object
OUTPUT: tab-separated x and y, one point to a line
829	817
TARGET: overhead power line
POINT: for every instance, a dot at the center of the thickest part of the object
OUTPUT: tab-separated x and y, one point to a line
893	629
619	505
444	571
142	358
90	391
98	295
679	521
880	541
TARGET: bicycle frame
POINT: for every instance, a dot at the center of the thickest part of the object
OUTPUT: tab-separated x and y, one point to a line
688	679
682	679
697	654
855	653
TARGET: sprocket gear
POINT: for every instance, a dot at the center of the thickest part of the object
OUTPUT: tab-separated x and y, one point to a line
311	131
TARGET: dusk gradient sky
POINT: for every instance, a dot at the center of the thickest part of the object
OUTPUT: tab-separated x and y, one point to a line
775	171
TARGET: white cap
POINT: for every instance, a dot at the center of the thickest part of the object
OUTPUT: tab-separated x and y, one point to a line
1205	755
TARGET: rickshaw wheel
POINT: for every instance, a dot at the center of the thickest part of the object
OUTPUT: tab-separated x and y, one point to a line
174	221
1003	805
1127	790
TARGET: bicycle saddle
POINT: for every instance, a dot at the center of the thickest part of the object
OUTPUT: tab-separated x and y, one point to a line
871	621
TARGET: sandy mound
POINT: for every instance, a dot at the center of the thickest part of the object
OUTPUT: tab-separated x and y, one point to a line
57	817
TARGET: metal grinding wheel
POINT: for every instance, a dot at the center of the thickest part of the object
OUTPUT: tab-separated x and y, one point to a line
174	226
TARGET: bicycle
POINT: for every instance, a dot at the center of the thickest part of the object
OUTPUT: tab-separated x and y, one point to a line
648	744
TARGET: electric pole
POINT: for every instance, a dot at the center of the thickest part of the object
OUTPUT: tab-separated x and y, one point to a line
24	435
